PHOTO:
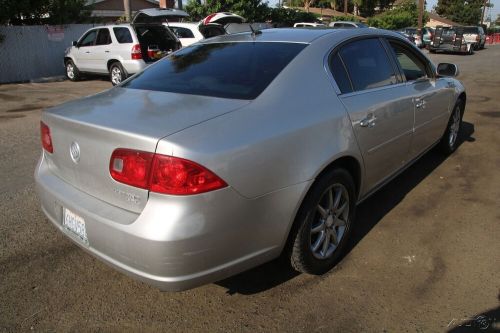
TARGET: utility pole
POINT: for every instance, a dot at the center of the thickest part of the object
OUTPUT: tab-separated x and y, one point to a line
179	4
420	17
484	9
126	6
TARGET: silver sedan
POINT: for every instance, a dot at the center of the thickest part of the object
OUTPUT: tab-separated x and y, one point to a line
243	148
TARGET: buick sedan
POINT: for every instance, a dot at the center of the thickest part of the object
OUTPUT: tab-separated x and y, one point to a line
243	148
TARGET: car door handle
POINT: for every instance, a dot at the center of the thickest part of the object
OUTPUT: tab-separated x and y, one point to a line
106	51
87	51
420	103
369	121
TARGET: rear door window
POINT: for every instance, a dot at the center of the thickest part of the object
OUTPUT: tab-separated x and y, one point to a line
228	70
103	37
367	64
122	35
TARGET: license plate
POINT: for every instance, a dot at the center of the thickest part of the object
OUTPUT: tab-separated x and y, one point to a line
75	225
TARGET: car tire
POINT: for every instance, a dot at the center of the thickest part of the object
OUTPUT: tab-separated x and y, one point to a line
116	73
323	223
449	141
72	72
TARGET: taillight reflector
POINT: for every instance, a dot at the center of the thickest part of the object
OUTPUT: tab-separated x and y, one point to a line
46	138
136	52
161	173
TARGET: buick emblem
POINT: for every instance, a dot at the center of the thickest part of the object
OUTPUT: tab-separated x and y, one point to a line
74	151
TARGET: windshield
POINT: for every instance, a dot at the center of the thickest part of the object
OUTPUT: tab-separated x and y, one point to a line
228	70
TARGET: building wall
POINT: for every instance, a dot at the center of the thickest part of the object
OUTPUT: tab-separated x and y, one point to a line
34	52
118	5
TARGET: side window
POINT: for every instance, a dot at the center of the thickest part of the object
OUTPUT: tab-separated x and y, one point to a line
340	74
413	68
122	35
103	37
367	64
89	38
182	32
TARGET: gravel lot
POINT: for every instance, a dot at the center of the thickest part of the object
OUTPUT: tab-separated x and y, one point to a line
425	256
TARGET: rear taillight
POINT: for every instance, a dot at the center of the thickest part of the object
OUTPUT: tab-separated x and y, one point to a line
46	138
131	167
161	173
136	52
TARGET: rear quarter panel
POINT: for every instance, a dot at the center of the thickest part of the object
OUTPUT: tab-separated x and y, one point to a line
286	136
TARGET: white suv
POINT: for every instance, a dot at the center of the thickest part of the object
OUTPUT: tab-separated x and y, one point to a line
124	49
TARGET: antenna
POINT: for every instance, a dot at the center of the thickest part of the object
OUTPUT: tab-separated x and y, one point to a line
254	32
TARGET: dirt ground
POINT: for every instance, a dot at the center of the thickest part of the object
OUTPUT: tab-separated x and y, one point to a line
425	256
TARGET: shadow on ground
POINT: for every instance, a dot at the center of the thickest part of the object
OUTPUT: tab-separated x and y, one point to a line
370	212
488	321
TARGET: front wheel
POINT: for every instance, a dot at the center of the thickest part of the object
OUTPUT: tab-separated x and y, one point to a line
323	223
72	71
117	73
448	143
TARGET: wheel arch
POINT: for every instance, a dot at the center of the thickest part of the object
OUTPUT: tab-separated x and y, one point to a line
347	162
111	62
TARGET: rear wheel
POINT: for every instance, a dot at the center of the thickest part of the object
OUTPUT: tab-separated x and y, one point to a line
448	143
323	223
116	73
72	71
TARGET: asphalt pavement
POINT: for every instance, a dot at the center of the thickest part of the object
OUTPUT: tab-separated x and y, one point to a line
425	256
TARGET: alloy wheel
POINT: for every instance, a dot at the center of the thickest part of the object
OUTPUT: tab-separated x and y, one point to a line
331	220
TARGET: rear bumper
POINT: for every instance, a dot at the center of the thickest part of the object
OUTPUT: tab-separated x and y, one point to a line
134	66
176	243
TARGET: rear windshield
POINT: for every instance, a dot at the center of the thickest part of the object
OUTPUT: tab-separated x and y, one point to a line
471	30
228	70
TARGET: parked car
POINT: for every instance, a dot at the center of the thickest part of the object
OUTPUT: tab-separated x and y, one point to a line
476	36
450	39
213	25
211	161
427	35
123	49
347	24
308	25
412	34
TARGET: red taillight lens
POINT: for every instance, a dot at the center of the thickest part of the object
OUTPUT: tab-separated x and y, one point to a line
136	52
162	174
131	167
46	138
172	175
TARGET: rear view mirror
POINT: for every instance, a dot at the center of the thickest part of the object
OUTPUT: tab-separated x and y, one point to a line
446	69
74	43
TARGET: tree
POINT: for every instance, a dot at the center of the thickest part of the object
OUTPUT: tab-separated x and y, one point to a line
251	10
404	15
24	12
464	12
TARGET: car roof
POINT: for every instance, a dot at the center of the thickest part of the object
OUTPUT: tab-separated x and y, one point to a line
294	35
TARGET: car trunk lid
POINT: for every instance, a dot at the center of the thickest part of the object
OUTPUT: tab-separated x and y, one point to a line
86	132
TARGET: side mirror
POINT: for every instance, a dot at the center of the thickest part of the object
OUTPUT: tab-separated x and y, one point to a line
446	69
74	43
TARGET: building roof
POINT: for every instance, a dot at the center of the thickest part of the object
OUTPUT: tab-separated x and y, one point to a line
436	17
328	12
